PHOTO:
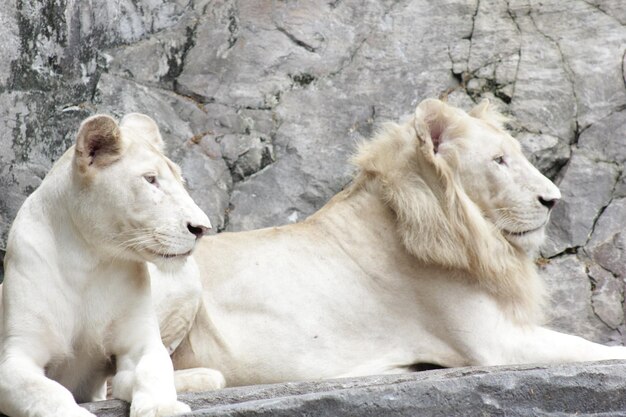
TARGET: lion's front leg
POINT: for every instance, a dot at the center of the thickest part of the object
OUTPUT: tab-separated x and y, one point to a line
544	345
26	392
535	344
198	379
147	382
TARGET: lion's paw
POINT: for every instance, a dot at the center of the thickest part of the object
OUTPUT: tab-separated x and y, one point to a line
173	409
72	412
198	379
144	407
81	413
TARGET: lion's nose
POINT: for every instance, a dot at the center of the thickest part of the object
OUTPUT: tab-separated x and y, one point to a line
548	202
198	230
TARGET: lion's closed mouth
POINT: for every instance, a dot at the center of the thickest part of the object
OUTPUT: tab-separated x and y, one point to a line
169	255
525	232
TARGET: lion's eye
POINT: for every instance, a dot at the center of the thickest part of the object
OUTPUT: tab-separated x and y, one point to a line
499	160
152	179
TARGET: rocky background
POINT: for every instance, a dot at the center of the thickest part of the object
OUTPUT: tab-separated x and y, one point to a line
262	102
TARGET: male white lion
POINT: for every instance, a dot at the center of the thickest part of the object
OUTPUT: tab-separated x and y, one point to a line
426	258
76	296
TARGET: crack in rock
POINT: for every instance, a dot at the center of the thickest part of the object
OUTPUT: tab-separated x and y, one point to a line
295	40
233	27
624	68
471	34
607	296
519	51
176	57
568	70
599	8
604	207
359	45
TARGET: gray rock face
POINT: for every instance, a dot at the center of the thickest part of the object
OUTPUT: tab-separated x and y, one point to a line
584	301
558	390
262	103
587	188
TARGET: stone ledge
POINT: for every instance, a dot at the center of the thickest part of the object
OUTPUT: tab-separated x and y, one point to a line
597	388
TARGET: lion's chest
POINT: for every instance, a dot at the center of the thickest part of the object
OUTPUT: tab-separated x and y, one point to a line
96	328
83	372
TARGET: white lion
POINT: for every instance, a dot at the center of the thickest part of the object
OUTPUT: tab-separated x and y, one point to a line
426	258
76	304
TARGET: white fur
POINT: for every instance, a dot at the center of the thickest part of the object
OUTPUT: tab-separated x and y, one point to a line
411	264
77	300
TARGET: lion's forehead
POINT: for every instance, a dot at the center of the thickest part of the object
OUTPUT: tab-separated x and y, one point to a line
480	147
511	143
151	158
486	133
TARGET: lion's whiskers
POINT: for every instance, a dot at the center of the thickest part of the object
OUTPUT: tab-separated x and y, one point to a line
161	240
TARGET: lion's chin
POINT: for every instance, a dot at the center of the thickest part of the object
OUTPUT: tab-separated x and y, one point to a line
529	241
170	265
168	261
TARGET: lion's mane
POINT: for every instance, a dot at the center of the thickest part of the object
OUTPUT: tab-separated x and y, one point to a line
437	221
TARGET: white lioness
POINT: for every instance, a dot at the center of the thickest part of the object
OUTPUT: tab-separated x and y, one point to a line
426	258
76	297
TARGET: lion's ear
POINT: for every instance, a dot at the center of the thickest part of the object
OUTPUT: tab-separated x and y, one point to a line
146	126
98	142
486	111
431	120
481	109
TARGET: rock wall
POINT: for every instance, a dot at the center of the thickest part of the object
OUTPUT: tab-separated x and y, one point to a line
596	389
262	103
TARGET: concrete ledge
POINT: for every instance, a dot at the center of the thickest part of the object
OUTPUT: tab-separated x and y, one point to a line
597	388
